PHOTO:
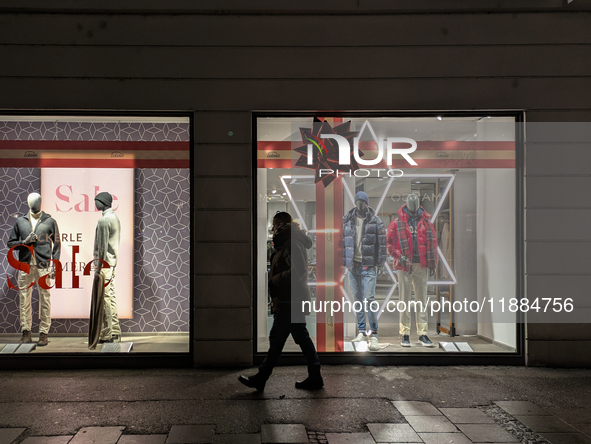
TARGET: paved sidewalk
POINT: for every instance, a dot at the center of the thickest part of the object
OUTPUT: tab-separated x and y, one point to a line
431	405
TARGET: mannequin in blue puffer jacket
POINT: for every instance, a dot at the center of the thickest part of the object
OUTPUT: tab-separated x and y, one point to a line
364	253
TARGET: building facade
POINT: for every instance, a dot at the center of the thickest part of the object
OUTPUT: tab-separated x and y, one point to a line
220	70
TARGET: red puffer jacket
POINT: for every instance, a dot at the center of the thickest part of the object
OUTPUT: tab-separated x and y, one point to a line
399	245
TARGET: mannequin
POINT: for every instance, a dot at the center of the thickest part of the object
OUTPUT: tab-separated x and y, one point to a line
412	242
364	253
39	230
106	247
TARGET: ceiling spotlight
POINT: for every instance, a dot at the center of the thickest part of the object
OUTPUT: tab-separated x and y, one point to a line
438	117
274	191
283	194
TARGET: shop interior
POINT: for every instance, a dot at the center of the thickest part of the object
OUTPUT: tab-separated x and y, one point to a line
473	216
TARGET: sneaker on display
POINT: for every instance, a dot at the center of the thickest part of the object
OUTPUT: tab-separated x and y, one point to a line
360	337
405	341
425	341
374	345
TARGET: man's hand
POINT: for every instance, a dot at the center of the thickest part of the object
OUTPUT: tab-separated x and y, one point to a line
380	270
431	272
345	271
403	261
31	239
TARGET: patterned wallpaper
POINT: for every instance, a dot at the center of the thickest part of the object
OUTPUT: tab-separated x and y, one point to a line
161	231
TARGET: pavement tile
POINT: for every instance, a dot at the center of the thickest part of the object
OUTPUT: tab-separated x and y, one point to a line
522	408
486	433
585	428
142	439
237	439
349	438
10	434
550	424
444	438
572	416
467	416
416	408
191	434
97	435
284	433
393	433
567	438
431	424
47	439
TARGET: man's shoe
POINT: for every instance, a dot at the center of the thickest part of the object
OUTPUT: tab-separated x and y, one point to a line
425	341
405	341
26	338
43	340
314	380
374	345
257	381
360	337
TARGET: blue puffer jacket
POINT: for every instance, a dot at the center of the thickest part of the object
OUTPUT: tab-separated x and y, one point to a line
373	242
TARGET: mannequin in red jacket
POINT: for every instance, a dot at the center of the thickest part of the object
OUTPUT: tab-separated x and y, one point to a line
412	242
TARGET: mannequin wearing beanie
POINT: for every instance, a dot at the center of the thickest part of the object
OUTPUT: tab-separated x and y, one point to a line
39	230
106	247
364	254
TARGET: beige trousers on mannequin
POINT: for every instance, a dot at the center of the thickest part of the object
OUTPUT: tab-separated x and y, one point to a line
25	296
110	321
417	277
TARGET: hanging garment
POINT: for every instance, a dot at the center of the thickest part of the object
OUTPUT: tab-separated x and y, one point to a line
445	249
97	310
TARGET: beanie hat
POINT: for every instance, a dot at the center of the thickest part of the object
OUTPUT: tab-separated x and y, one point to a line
362	195
104	198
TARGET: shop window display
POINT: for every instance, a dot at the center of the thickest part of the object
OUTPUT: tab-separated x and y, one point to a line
404	213
95	227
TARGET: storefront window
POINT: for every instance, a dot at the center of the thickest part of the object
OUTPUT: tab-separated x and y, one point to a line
80	188
413	229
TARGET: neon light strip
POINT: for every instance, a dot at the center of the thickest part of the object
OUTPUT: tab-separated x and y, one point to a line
384	195
390	293
448	268
349	192
291	198
324	231
346	295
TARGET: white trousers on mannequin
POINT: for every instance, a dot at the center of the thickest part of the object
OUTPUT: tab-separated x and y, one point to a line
417	277
25	296
111	324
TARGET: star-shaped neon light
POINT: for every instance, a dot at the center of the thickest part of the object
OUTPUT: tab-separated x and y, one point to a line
453	280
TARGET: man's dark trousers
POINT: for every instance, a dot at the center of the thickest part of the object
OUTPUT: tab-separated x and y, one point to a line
281	329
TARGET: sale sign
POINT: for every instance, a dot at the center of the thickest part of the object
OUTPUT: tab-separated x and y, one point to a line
68	196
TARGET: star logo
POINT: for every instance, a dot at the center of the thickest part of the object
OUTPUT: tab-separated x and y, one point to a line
325	152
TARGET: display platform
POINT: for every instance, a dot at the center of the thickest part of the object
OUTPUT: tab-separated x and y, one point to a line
477	344
142	343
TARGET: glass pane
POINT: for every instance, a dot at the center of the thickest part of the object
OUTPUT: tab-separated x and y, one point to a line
457	244
110	188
